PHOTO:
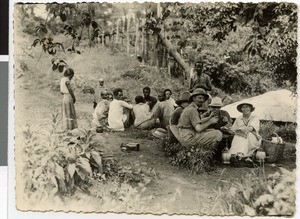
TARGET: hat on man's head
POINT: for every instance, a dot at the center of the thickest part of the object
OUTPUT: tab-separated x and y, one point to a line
216	102
184	97
101	79
239	107
198	91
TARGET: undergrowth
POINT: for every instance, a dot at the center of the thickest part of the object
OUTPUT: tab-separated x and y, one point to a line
256	194
197	160
57	164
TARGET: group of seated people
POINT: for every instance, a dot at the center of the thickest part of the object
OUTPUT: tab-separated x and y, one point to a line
195	119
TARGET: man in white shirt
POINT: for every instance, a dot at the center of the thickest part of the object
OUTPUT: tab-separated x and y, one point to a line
116	115
143	117
101	111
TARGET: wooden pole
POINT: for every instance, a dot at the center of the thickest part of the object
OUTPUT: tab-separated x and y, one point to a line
127	35
158	10
117	34
103	38
143	41
111	38
169	64
137	23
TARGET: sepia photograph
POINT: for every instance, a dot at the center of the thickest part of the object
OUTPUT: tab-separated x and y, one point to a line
156	107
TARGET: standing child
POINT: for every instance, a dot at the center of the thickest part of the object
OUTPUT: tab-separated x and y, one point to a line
68	109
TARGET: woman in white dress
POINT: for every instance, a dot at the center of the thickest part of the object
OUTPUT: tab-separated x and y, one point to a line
246	138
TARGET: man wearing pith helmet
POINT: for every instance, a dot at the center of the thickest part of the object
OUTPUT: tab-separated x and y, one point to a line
192	130
224	122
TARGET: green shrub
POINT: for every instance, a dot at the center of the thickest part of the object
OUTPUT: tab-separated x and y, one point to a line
255	194
286	131
57	164
197	160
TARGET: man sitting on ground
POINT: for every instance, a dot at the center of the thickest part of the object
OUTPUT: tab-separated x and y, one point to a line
98	90
192	131
101	111
116	115
224	124
182	103
169	98
163	110
143	118
151	101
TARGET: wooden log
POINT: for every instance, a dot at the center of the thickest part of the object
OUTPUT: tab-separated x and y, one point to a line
174	53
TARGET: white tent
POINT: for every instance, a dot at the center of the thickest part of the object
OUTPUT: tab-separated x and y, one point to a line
280	105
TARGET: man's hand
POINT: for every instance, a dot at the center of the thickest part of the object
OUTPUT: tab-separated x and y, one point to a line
225	119
74	100
245	129
214	120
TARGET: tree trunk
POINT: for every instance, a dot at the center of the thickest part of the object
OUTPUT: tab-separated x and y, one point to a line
174	53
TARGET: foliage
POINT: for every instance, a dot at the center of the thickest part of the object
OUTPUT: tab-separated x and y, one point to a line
59	64
48	46
197	160
57	164
286	131
121	197
136	174
268	42
257	195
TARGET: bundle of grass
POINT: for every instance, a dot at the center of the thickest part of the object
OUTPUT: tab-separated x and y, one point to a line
197	160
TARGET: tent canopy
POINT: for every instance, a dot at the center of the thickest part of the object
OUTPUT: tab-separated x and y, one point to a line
280	105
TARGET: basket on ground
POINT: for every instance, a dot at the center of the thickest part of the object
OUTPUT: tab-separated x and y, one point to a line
274	151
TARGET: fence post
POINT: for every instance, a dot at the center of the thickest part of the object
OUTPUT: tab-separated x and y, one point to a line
143	41
117	34
137	23
127	35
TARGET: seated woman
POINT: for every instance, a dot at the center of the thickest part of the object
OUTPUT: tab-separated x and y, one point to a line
143	118
246	138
